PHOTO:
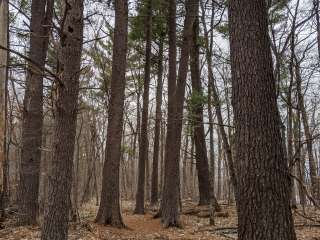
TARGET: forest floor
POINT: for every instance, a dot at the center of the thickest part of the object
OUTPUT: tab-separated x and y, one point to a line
195	225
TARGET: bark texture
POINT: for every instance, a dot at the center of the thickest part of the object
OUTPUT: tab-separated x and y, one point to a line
55	225
41	15
109	210
263	191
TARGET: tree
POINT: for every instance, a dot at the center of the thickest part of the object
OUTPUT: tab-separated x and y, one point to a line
41	15
197	101
157	128
144	142
263	191
109	210
55	223
176	92
3	82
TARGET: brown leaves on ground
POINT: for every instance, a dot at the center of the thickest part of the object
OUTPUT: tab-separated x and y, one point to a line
145	227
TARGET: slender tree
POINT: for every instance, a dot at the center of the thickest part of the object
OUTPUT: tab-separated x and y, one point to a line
197	116
55	223
109	210
3	83
144	142
41	15
263	191
156	145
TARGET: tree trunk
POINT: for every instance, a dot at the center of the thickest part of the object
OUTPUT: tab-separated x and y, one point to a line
299	158
263	192
144	142
55	226
109	210
3	100
156	146
41	16
176	92
197	117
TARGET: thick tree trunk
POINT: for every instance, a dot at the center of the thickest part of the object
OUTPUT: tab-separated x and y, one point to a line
109	210
41	15
197	116
156	146
144	142
263	192
55	225
3	100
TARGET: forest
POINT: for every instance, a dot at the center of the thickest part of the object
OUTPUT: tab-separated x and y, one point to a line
159	119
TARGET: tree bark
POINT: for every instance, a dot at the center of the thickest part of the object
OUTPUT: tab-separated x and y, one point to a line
263	192
41	16
55	225
144	142
109	210
156	146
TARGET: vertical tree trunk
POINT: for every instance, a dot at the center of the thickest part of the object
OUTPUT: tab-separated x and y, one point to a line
170	195
176	92
263	192
41	15
55	226
3	100
156	146
109	210
299	157
220	156
144	142
197	116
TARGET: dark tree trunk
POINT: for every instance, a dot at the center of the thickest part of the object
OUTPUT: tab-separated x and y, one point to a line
176	92
144	142
41	14
109	210
263	192
197	117
156	146
55	225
